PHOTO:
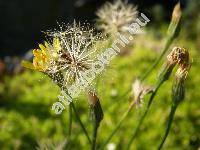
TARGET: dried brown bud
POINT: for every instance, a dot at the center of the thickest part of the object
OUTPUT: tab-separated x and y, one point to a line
180	56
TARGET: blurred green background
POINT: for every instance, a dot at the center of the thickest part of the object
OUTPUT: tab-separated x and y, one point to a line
26	97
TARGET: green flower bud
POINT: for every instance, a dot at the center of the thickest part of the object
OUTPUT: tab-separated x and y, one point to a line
95	105
178	88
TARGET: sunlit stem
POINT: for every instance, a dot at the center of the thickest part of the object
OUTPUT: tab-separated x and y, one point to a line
80	122
69	127
150	69
135	133
96	126
169	123
70	122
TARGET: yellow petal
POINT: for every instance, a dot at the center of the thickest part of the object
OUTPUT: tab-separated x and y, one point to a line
39	64
27	64
37	53
42	48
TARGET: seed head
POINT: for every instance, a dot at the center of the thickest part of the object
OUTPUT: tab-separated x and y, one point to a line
116	17
67	53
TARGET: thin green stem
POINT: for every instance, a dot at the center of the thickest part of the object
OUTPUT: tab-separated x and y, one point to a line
170	120
143	116
168	43
118	125
69	127
80	122
96	126
70	122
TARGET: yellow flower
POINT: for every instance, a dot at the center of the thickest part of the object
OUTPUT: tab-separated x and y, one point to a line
40	61
45	56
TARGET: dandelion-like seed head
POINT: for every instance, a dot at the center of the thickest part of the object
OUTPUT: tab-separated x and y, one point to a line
77	51
116	17
67	53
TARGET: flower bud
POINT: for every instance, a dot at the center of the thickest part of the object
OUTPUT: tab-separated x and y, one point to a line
95	105
179	56
178	89
174	26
